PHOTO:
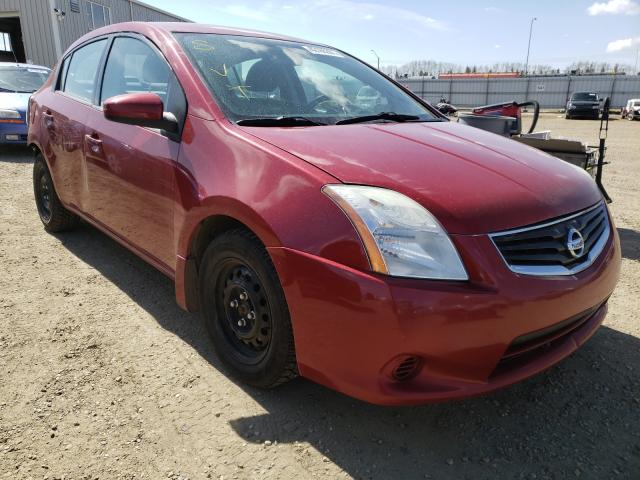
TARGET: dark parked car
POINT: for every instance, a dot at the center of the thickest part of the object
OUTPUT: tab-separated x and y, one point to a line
583	105
325	221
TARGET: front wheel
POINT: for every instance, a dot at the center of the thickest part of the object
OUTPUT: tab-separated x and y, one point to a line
53	215
245	310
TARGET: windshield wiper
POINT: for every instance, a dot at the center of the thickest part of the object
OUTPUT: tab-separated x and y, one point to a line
391	116
279	122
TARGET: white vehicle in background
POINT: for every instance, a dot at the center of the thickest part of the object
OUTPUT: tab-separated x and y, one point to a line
632	110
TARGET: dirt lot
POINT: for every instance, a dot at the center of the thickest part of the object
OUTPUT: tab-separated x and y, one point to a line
103	376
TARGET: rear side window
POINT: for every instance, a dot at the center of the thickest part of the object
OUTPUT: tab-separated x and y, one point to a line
80	81
133	66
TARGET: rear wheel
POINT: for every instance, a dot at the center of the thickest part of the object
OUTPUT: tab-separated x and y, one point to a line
245	310
53	215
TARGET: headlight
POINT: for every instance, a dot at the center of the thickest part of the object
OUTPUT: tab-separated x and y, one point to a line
595	106
9	113
400	236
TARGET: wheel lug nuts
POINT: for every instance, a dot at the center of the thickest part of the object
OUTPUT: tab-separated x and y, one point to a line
234	304
251	315
243	296
242	322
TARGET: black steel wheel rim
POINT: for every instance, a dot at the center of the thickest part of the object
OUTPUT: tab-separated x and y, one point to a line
43	187
243	311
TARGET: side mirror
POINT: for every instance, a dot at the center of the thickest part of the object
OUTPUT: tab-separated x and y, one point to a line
143	109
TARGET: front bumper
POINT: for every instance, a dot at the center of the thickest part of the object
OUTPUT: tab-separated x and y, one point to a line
352	328
583	111
13	133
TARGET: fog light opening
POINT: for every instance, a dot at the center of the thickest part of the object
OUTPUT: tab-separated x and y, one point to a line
407	369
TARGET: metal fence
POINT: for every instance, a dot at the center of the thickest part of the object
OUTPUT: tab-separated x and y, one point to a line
550	92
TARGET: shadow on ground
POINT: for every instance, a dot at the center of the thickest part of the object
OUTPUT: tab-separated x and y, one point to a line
578	419
629	243
15	154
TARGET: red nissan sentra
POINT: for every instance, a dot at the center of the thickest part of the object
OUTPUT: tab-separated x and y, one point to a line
324	221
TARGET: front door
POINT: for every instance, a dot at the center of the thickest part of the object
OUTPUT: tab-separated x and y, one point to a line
131	169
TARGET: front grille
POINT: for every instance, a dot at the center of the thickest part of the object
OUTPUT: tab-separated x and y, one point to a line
529	347
547	249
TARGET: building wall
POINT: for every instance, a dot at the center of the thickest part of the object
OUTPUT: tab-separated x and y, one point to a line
36	22
550	92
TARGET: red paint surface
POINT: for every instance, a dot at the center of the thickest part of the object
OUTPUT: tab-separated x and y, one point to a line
152	194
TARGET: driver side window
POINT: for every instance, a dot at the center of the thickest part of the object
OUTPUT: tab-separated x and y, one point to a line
133	67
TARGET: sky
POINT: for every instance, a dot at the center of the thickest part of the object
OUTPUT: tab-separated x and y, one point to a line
464	31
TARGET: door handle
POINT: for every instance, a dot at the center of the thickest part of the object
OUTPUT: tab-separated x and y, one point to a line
94	143
48	119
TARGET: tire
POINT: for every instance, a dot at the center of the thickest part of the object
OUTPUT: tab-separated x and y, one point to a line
251	334
567	116
53	215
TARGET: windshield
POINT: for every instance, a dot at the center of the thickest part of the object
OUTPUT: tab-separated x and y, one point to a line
254	78
22	79
585	97
636	104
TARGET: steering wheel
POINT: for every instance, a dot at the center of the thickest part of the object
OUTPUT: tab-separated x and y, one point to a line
331	107
317	101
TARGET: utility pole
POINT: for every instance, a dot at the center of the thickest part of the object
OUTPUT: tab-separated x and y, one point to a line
526	65
374	52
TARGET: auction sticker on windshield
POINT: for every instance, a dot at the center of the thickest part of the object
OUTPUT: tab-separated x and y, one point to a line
322	51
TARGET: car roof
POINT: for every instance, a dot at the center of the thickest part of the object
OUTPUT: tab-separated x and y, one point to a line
184	27
23	65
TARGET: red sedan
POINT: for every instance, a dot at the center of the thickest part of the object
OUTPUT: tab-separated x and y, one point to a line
325	221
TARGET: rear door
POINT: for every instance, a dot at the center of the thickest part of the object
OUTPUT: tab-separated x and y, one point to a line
64	113
131	169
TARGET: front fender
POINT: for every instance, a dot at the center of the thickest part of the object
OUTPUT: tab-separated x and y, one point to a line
223	172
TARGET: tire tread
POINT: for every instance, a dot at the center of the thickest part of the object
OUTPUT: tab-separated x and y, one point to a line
61	219
289	369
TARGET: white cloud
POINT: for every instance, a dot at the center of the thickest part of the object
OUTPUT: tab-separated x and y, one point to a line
243	11
354	9
497	45
305	11
615	7
493	10
623	44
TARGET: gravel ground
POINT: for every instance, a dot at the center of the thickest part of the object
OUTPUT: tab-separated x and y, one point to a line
103	376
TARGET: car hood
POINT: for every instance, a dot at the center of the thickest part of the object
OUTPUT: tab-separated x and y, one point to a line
14	101
473	181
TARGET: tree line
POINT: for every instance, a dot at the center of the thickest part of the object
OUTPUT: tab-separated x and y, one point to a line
433	68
